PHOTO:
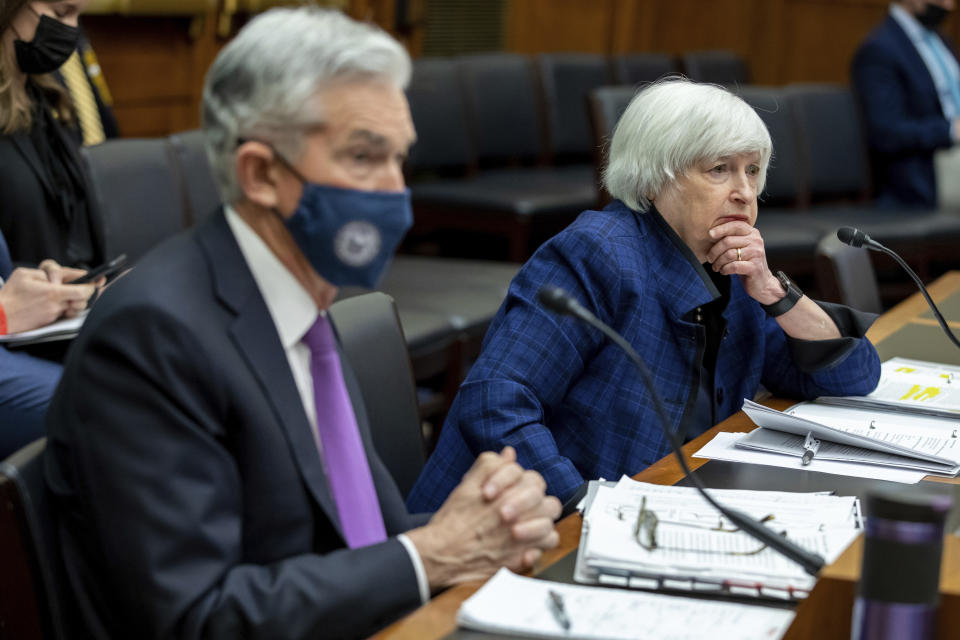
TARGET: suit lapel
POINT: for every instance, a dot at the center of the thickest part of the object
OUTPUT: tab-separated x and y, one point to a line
255	337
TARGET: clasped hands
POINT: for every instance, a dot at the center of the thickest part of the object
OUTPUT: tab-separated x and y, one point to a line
33	298
497	516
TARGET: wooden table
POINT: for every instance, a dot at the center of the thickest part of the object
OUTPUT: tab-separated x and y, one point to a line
825	614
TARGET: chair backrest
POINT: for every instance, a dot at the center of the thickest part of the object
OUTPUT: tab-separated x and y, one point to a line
374	345
607	104
719	67
31	569
785	184
567	79
439	115
503	106
201	193
831	141
845	274
638	68
139	191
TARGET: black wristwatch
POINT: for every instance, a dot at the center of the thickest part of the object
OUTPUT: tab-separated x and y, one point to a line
785	303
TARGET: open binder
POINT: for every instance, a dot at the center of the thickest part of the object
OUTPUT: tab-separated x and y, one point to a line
696	551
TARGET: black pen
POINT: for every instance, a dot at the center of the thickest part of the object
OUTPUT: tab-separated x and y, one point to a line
558	610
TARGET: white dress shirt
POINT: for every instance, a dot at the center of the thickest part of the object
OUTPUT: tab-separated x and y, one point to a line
294	312
938	59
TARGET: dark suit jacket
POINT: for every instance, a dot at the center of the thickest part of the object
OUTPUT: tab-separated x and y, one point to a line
29	207
192	497
905	122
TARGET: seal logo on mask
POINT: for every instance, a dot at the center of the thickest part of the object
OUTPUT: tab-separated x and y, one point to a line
357	243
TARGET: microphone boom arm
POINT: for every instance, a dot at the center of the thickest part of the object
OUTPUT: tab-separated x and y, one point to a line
559	301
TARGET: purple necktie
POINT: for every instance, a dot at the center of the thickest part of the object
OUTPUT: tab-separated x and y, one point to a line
347	468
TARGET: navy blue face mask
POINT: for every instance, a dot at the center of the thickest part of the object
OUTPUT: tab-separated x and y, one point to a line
349	236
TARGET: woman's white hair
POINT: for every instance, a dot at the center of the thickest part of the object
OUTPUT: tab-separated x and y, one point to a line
672	125
263	84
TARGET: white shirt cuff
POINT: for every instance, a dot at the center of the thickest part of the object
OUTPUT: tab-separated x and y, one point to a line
418	569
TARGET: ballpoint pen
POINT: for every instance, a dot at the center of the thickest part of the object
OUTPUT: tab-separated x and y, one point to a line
810	447
558	610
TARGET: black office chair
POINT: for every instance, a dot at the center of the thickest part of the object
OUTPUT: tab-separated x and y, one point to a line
846	275
718	67
201	193
374	345
139	191
31	571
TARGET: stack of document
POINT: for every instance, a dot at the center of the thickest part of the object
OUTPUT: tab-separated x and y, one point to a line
915	386
698	550
904	440
514	605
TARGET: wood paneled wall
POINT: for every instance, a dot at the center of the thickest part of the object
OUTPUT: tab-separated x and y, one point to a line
783	40
155	65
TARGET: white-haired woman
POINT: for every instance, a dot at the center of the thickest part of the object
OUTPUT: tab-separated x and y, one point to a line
676	266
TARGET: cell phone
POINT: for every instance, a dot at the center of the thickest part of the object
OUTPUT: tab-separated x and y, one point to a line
104	270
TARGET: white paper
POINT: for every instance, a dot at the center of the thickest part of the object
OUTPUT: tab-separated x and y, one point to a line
912	385
512	604
723	447
66	328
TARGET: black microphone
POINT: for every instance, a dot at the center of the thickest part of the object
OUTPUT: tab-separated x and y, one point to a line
559	301
857	238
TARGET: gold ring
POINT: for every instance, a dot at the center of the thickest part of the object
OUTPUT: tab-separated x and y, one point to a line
739	255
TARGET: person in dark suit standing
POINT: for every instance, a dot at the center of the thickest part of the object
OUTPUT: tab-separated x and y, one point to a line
209	454
907	81
48	210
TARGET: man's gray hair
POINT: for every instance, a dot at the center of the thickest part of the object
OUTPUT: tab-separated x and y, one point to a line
263	83
672	125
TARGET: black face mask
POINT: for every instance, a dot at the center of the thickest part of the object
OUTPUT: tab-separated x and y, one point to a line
932	16
52	44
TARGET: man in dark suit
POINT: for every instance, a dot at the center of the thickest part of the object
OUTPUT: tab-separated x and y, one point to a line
908	84
209	453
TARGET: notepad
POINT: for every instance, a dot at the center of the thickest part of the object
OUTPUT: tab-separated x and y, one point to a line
515	605
60	330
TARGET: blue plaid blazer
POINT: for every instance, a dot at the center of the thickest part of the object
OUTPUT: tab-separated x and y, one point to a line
571	403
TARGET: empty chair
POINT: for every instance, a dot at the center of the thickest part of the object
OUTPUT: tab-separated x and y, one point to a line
519	203
607	104
832	142
785	184
845	275
202	195
719	67
374	345
140	193
567	80
638	68
503	107
438	112
34	604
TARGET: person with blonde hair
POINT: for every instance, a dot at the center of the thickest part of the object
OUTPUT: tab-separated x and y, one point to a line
677	266
48	209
